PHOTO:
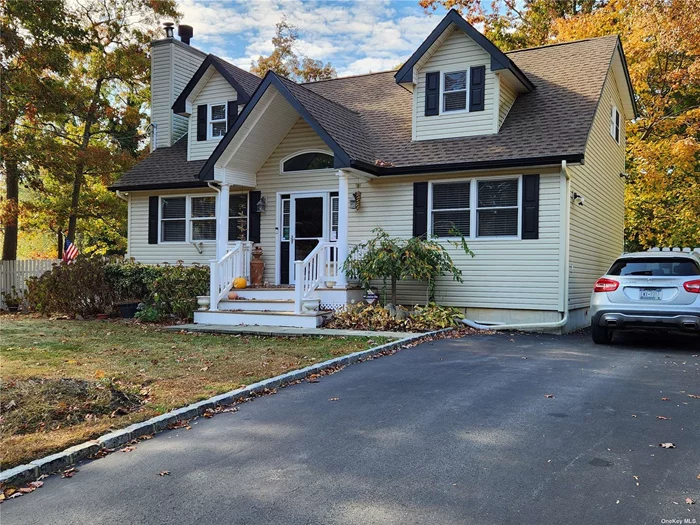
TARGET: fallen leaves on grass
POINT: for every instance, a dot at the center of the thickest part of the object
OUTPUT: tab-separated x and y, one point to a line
69	473
667	445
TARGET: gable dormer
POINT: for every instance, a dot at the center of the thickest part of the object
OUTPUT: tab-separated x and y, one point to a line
462	84
211	101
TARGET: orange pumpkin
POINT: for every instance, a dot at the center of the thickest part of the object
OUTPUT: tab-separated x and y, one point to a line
239	283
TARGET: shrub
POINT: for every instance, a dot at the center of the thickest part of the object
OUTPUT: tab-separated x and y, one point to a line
79	288
380	318
89	286
397	259
130	281
175	289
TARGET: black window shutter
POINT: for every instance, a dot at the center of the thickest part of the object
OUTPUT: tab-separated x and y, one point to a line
432	94
531	206
253	216
153	220
202	122
231	113
420	209
477	88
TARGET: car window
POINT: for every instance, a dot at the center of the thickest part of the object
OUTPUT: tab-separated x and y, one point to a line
655	267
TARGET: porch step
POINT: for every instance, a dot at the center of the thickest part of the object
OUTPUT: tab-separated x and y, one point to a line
254	317
258	305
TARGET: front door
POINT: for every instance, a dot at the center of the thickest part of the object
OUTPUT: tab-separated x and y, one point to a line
308	212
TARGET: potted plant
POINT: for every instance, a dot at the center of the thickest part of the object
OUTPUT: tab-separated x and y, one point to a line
13	299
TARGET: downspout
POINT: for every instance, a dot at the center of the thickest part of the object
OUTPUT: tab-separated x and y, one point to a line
566	202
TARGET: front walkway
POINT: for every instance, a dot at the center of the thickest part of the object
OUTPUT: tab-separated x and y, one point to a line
454	431
284	331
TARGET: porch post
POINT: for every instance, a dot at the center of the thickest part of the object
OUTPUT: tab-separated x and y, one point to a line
222	222
343	203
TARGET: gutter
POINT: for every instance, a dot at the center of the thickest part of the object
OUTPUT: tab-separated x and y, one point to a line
564	270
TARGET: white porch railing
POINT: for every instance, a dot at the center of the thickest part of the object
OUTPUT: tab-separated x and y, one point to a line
320	265
236	263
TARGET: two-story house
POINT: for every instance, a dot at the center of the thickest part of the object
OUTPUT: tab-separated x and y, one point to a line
522	152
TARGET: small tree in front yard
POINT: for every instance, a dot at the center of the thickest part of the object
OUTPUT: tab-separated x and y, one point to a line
395	259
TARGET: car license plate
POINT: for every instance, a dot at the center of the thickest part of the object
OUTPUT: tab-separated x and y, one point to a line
650	293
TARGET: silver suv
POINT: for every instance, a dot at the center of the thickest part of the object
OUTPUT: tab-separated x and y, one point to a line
658	290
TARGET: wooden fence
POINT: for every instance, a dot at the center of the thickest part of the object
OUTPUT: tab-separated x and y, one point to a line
15	273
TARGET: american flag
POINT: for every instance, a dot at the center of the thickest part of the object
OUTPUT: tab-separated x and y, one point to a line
70	252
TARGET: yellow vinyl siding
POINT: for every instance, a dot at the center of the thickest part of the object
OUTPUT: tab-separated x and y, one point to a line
170	253
217	90
507	98
597	227
457	53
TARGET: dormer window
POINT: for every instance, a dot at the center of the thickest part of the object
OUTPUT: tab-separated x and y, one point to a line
217	121
454	91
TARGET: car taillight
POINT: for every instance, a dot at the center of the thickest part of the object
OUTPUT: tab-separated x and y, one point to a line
605	285
692	286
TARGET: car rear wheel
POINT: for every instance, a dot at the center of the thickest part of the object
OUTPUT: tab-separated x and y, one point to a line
601	335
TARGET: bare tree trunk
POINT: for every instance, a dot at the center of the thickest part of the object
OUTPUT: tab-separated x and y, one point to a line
59	244
393	291
9	242
80	166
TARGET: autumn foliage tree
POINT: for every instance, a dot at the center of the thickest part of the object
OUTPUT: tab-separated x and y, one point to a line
93	130
661	39
285	61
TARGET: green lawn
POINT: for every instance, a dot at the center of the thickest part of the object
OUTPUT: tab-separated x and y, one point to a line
65	381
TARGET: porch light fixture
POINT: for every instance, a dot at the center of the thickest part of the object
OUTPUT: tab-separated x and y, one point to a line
261	205
355	200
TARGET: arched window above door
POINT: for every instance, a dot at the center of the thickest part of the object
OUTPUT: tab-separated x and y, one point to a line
306	161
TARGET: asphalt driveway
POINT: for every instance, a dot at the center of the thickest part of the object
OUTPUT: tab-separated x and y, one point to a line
454	431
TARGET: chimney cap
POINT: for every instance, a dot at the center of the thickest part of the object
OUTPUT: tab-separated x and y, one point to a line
168	29
185	33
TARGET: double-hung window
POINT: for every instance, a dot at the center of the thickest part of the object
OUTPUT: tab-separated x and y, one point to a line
454	91
217	121
203	218
476	208
615	124
238	217
451	211
187	219
497	208
173	219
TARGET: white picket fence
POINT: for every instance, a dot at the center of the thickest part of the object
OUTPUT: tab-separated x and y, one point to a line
15	273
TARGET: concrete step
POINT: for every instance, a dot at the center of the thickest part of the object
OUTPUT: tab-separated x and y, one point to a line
258	305
283	318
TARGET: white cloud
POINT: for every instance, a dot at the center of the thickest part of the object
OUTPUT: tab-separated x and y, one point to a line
356	37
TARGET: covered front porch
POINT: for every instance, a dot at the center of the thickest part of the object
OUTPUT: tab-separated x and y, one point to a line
310	246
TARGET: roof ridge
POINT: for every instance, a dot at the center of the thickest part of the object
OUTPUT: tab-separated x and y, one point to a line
319	95
555	44
227	63
348	76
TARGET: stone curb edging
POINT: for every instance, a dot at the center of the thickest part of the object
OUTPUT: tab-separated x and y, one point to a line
55	462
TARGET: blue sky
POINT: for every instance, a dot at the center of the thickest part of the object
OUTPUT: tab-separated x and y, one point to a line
355	36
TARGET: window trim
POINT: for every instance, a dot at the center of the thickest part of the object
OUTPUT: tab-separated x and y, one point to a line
466	92
211	121
302	152
473	202
616	126
188	217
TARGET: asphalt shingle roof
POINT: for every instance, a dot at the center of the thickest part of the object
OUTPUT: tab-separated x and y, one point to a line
248	81
370	118
166	168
